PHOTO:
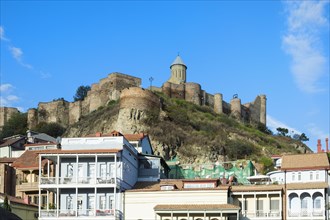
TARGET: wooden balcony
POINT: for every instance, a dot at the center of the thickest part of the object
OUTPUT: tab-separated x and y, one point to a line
24	187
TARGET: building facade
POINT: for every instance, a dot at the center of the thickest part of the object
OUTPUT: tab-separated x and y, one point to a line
90	175
179	200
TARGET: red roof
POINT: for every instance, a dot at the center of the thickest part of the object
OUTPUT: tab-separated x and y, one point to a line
29	159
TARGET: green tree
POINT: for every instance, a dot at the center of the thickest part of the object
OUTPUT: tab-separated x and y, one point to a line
81	93
267	163
6	205
303	137
53	129
17	124
282	131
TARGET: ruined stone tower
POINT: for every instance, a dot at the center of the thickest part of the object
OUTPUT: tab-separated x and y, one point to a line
178	71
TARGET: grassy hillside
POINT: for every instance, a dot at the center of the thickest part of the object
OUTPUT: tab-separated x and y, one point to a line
194	134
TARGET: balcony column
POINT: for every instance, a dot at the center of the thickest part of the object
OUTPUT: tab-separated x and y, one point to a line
268	208
280	205
57	170
48	168
243	206
30	176
77	167
39	208
255	205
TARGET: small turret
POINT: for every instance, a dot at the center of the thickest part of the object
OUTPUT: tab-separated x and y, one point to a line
178	71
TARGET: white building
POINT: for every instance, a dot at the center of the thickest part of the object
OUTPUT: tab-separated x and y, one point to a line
305	179
258	201
90	175
202	199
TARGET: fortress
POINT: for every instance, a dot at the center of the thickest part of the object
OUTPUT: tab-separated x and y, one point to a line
134	100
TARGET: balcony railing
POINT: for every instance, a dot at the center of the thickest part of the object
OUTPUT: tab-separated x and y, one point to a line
306	213
79	180
262	214
79	212
27	186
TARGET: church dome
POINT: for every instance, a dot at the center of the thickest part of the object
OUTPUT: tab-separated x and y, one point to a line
179	61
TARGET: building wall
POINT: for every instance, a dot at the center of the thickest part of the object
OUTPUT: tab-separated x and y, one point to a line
7	179
86	198
134	204
129	164
146	146
306	176
26	212
260	205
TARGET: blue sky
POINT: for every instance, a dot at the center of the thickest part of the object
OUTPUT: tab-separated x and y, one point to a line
277	48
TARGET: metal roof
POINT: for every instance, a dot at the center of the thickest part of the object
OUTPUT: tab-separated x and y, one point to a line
178	60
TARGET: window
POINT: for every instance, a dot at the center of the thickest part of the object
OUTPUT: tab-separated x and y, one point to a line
246	202
111	202
311	175
44	201
91	201
103	170
317	176
299	176
275	205
198	185
69	170
69	203
293	176
80	172
36	200
91	170
260	205
102	203
317	203
167	187
260	208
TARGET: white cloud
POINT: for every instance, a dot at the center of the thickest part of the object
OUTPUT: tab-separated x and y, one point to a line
273	124
5	87
303	43
2	34
12	98
6	97
17	53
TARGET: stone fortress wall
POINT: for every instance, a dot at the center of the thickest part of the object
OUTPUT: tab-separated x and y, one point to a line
5	114
134	100
67	113
177	87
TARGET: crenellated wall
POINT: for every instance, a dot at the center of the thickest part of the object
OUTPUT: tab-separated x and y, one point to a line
253	112
67	113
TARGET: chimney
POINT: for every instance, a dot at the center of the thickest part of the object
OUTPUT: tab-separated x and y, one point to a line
98	134
327	144
319	146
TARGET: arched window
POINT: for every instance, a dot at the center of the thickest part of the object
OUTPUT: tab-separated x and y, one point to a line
306	203
294	202
299	176
317	200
